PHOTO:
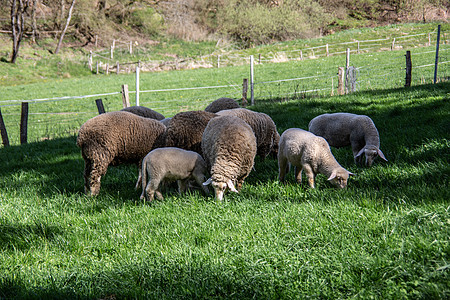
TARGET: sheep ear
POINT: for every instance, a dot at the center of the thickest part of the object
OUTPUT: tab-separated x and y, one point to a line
381	154
360	152
207	181
231	186
350	173
333	175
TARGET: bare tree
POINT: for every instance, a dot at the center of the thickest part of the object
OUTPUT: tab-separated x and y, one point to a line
63	32
18	11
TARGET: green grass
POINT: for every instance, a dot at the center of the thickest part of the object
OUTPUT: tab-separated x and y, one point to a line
385	236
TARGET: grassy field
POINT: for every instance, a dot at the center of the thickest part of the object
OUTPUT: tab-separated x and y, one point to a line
385	236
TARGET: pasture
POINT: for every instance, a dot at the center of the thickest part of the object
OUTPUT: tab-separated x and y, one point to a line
385	236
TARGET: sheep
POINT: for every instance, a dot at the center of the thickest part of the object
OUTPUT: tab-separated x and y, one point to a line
144	112
185	130
343	129
166	121
222	104
115	138
229	149
170	163
267	136
310	153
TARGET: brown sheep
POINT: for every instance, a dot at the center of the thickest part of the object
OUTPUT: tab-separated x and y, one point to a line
221	104
115	138
144	112
185	130
267	136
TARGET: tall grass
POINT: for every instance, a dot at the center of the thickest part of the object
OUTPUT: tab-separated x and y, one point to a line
385	236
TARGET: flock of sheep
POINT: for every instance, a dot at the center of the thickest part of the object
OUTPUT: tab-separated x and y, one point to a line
222	141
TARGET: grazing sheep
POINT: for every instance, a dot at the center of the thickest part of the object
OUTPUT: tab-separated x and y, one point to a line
170	164
310	153
185	130
267	136
166	121
229	148
343	129
115	138
144	112
221	104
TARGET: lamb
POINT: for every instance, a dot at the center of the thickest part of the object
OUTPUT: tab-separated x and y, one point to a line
169	164
343	129
185	130
115	138
310	153
221	104
144	112
229	149
267	136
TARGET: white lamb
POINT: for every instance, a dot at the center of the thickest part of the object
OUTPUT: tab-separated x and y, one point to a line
310	153
170	164
343	129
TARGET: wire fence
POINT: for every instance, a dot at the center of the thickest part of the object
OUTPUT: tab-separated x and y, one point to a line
55	117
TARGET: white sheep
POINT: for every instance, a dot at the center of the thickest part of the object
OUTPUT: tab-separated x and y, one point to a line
229	149
169	164
267	136
343	129
310	153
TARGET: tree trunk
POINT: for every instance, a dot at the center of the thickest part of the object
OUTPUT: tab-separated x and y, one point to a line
33	21
18	10
69	16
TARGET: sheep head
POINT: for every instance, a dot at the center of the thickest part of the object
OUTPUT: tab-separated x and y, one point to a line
339	177
370	152
220	187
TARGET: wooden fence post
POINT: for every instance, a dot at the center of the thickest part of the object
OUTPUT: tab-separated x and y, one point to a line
97	68
244	92
393	44
252	93
24	123
327	49
218	61
341	80
437	54
125	96
131	47
408	69
358	48
347	66
3	132
90	60
117	68
301	55
101	109
107	69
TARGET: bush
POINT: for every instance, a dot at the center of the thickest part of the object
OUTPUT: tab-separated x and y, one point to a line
253	22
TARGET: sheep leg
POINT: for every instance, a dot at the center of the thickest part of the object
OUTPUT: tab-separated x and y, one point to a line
200	178
298	174
309	175
283	168
181	186
87	175
151	189
97	170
